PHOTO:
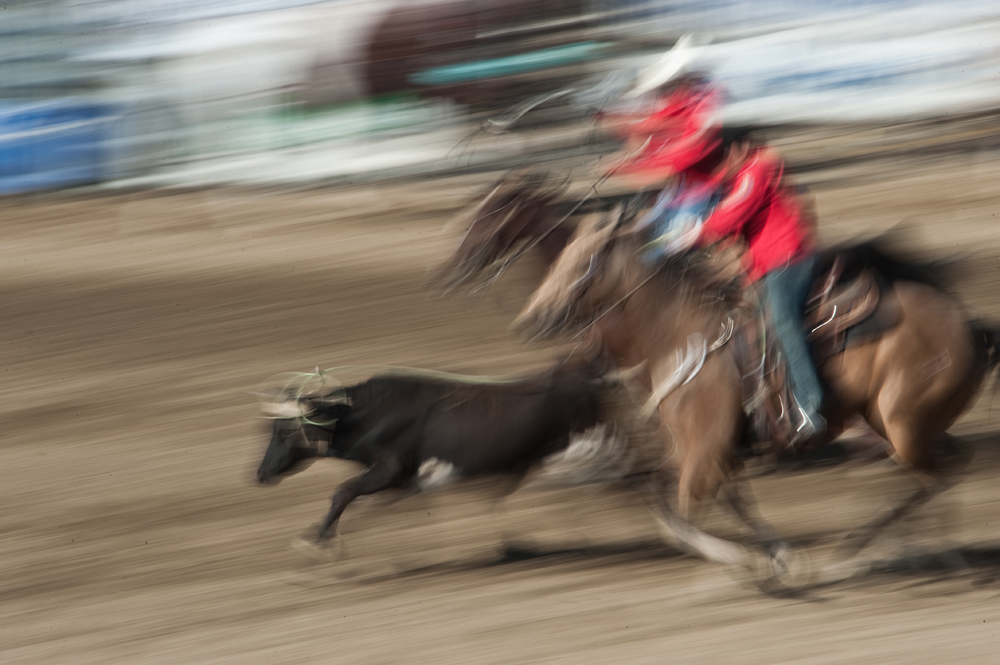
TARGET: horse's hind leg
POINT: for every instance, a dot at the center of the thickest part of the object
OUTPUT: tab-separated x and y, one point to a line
916	404
918	451
855	541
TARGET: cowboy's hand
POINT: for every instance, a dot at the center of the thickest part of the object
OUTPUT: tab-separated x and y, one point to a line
684	241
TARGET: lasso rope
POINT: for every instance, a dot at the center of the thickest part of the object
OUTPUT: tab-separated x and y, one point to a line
417	372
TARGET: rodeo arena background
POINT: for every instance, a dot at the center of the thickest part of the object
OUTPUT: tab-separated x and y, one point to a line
401	331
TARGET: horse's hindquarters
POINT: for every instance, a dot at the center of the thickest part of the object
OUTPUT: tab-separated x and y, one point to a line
915	381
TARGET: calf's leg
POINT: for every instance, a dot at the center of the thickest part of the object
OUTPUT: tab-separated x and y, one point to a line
383	474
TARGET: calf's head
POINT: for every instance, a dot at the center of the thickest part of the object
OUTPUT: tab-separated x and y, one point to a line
296	424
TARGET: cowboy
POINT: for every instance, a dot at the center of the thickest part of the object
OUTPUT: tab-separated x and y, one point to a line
676	136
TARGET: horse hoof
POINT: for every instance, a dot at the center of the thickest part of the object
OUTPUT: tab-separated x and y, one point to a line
781	570
790	566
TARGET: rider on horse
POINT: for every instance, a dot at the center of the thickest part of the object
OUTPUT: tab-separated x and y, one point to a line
675	137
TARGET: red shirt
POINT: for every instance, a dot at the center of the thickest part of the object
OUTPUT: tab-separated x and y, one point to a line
757	206
680	113
679	132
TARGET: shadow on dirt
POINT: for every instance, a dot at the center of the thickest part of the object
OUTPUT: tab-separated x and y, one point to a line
514	552
963	569
935	574
524	557
945	572
868	449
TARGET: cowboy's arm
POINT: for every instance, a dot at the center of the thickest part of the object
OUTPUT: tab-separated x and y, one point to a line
641	123
748	194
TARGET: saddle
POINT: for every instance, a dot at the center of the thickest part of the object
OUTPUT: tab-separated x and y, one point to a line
844	313
840	314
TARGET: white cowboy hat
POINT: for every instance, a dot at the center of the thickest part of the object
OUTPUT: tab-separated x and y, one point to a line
673	63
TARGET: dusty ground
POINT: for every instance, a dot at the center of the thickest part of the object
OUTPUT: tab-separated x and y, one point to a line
131	531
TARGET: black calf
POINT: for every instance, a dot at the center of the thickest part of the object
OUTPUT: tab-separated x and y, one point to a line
412	432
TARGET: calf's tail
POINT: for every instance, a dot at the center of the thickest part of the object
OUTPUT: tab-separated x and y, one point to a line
987	339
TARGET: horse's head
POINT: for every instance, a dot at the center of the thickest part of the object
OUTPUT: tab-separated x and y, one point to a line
575	284
516	210
298	422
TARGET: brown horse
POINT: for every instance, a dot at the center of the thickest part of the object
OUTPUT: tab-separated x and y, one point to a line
910	384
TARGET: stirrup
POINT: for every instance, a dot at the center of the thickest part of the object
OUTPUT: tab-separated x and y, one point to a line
808	428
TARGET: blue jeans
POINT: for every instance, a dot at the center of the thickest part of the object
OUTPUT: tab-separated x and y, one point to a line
786	291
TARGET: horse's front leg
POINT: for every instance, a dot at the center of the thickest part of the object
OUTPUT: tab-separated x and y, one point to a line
690	538
741	501
784	559
386	472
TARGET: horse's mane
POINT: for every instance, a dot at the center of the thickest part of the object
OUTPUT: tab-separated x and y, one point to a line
502	217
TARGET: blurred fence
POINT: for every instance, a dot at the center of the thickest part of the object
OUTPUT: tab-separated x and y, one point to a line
849	61
198	92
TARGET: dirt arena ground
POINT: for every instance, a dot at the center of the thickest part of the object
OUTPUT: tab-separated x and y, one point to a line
134	325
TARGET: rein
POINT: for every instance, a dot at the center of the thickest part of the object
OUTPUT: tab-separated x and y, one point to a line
618	302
